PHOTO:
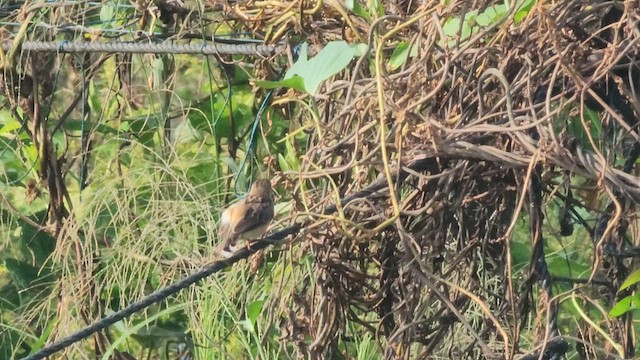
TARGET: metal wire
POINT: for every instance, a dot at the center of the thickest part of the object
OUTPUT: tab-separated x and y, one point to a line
139	48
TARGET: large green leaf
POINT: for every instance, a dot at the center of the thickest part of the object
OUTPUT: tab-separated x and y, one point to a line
625	305
309	74
632	279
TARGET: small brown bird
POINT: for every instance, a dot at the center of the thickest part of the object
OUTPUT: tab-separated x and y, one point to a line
248	219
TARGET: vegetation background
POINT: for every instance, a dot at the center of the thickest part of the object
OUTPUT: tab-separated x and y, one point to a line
501	139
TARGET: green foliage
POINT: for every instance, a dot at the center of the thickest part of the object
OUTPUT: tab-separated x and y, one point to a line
309	74
113	14
590	129
148	204
253	311
630	302
355	7
462	28
632	279
217	115
25	278
146	332
290	159
140	207
625	305
25	274
401	54
227	329
14	150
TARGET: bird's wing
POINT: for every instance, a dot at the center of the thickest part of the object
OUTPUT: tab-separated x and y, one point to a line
255	214
226	226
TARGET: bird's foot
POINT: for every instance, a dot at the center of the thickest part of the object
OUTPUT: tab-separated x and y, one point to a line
225	254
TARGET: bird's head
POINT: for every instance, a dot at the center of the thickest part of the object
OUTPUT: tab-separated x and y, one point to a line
261	187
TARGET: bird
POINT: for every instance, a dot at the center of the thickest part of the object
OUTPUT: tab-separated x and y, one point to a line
247	219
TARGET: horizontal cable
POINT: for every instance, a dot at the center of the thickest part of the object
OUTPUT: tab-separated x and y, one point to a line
133	47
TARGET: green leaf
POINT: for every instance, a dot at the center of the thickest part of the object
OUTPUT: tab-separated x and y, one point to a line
246	324
561	264
292	155
400	55
233	166
22	273
9	292
77	125
593	128
155	332
525	7
213	113
355	7
107	13
329	61
200	171
491	15
519	16
144	128
10	124
453	29
313	72
42	340
12	335
295	82
157	69
37	244
284	166
253	311
625	305
595	124
23	277
283	207
520	254
376	7
95	99
632	279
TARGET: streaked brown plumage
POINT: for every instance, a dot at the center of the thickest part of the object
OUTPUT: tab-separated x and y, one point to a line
247	219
